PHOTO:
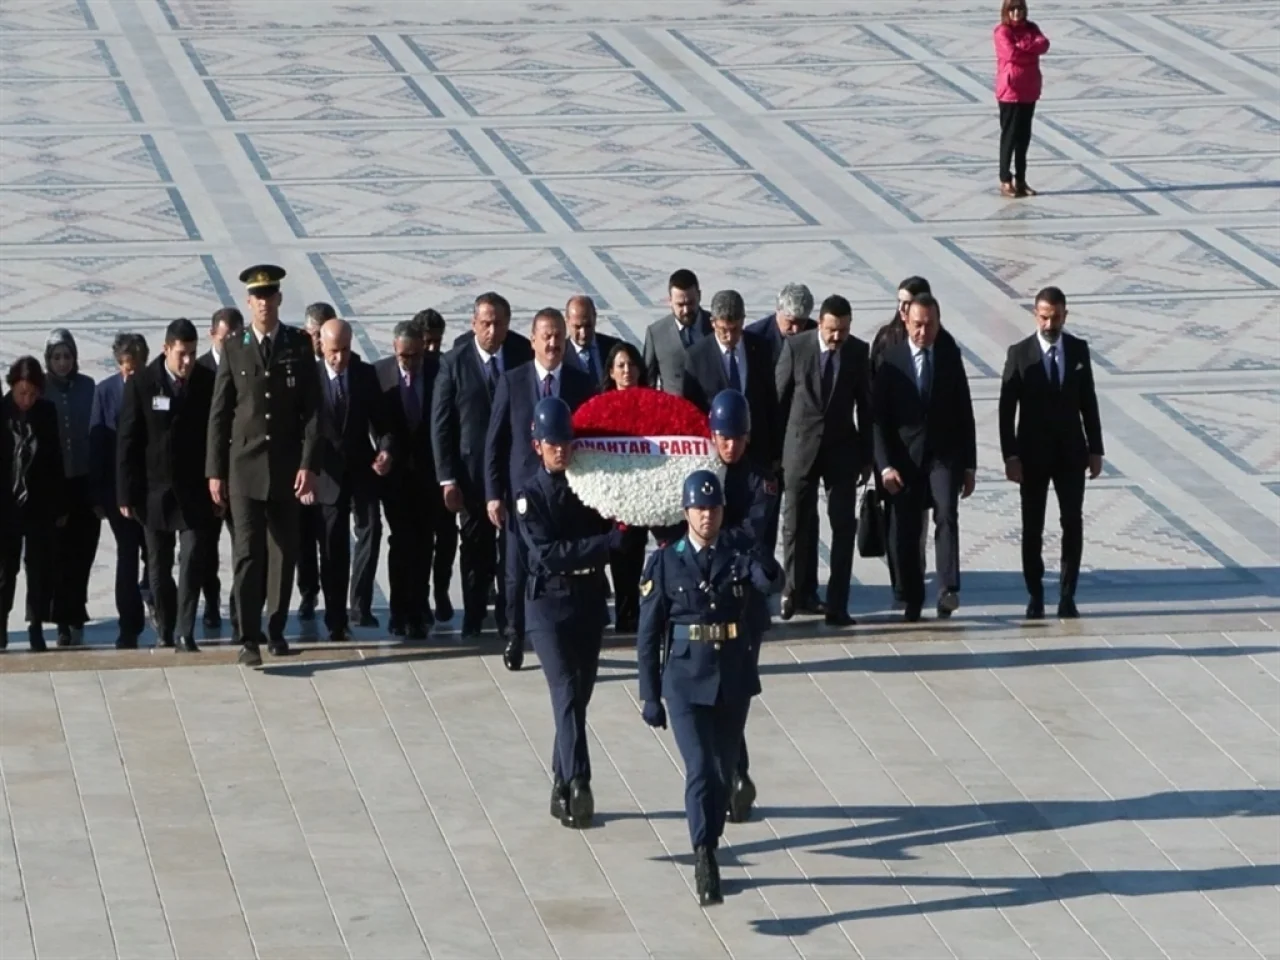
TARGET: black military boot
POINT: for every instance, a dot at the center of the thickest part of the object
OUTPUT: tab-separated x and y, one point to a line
741	798
559	799
582	805
706	874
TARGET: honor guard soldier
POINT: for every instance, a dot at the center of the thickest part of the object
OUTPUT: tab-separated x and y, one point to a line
262	446
567	546
696	648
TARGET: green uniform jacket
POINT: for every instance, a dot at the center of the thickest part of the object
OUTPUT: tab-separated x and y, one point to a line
263	424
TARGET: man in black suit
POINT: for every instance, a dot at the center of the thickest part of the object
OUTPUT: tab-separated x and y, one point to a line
353	450
443	523
460	408
926	451
310	526
586	346
510	460
1048	390
161	477
227	322
824	395
666	340
793	315
732	359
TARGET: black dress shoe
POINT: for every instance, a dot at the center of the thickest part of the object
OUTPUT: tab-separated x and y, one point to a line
1035	608
706	875
186	645
250	655
307	607
741	798
64	636
470	629
912	613
35	638
364	618
813	606
212	618
582	805
416	631
513	655
839	620
396	628
164	642
278	647
787	609
340	634
444	609
1067	609
127	641
559	799
948	603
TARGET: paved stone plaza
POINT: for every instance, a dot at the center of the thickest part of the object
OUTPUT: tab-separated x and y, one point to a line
1105	788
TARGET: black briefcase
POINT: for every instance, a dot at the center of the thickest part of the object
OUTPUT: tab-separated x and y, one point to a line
871	524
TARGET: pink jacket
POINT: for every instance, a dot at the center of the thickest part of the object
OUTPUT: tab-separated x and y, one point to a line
1018	52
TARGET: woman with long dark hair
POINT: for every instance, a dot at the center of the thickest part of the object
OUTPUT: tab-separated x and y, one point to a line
624	369
31	496
1019	47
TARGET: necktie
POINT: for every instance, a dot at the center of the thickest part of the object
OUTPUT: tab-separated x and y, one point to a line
588	364
265	348
546	385
735	376
704	564
828	375
339	400
686	334
1055	378
412	409
493	374
926	374
178	385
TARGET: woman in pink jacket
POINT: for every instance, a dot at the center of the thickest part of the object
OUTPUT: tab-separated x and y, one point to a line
1019	46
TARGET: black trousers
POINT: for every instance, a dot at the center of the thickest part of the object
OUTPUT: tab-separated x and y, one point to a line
310	536
626	566
410	505
366	513
212	587
336	569
266	544
1068	486
839	476
1015	138
479	545
131	554
938	489
444	528
36	534
75	545
176	603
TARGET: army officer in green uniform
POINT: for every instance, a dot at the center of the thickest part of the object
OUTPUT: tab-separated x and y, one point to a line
262	443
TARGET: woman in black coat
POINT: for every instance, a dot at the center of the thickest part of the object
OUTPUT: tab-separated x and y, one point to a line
32	495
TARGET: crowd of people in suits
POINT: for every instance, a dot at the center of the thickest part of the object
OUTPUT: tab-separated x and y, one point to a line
297	445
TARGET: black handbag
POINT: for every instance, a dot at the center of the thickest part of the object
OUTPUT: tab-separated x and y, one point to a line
871	524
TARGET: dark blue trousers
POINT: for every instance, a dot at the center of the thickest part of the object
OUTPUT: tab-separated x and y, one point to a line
511	545
131	574
709	739
570	658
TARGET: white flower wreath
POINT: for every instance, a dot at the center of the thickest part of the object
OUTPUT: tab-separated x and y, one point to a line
638	490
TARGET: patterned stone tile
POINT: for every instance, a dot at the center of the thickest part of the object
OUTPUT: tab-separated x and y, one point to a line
1265	241
402	282
24	58
615	148
1263	60
321	99
906	139
515	51
1152	336
558	94
955	194
959	39
35	103
17	15
1100	264
785	44
274	55
1214	184
1107	78
1255	28
70	160
61	291
94	215
1158	131
851	86
346	154
671	202
753	269
402	208
1239	425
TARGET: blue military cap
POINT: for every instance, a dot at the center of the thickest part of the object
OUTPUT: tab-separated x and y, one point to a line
552	421
730	414
702	489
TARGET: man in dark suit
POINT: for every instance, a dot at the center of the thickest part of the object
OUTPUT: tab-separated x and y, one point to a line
310	526
793	315
227	322
589	348
1050	432
261	458
160	477
510	460
926	451
460	408
732	359
354	449
824	395
666	340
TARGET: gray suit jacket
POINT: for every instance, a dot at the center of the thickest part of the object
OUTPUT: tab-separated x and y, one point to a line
841	427
664	352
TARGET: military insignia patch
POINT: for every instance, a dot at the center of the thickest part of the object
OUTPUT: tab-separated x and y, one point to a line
522	505
245	340
646	588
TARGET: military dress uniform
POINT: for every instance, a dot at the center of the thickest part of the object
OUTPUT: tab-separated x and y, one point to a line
697	648
567	546
262	430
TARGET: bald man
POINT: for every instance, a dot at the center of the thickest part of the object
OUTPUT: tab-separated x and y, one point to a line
590	349
354	450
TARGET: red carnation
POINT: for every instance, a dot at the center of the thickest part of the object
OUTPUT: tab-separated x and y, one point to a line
639	411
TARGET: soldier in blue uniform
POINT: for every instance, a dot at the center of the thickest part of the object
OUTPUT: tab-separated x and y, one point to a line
568	547
696	648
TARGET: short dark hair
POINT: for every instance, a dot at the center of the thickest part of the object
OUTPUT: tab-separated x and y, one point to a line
130	345
320	312
1053	296
683	280
429	320
408	330
548	313
915	286
495	300
230	316
181	330
26	369
928	301
836	306
728	305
